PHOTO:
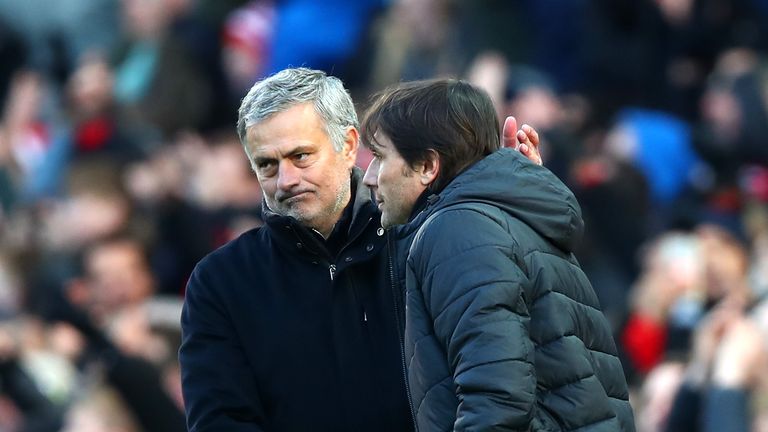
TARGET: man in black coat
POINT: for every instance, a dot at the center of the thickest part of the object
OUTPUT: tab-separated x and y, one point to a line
503	330
293	326
298	325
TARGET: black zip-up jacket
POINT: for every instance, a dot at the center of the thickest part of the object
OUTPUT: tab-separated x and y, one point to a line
503	330
279	335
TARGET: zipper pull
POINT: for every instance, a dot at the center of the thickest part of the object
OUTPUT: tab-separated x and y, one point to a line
332	270
365	316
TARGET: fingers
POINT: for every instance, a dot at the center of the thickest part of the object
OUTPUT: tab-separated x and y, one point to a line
533	136
525	140
522	137
529	144
509	133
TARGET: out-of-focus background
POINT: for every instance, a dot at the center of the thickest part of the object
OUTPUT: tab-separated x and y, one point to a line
120	169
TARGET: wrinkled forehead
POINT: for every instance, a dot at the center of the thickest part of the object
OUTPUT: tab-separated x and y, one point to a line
294	120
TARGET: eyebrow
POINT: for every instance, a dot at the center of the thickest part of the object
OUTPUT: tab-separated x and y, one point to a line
372	144
257	160
301	148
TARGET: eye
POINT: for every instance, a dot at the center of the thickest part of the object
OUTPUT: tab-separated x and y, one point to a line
265	166
301	159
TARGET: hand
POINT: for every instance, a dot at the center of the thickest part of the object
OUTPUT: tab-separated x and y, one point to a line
740	357
525	140
706	340
66	341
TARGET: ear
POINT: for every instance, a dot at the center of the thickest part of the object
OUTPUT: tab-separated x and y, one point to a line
351	145
428	169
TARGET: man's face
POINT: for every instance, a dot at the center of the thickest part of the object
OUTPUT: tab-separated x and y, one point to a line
119	275
396	185
300	172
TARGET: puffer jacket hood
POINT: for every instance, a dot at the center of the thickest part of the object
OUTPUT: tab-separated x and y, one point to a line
531	193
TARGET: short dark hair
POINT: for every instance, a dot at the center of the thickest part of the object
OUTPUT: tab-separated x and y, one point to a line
451	117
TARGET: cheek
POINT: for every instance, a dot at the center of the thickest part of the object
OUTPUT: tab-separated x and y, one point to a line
397	181
324	182
330	174
268	186
384	176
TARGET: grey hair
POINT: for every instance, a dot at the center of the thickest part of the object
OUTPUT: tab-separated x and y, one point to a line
291	87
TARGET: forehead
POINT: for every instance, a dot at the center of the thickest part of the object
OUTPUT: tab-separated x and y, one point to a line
114	254
297	125
381	141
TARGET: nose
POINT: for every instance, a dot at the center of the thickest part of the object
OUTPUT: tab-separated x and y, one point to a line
371	178
288	176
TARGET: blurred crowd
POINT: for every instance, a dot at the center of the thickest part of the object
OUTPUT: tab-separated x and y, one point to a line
120	168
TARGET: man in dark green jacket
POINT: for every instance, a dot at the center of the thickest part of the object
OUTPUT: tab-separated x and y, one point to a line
503	330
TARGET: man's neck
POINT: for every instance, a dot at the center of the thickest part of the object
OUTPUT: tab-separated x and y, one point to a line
339	234
326	232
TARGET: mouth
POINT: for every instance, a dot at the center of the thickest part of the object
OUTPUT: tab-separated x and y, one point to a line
293	196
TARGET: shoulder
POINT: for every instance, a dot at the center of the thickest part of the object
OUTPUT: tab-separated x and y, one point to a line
228	262
237	250
469	221
460	228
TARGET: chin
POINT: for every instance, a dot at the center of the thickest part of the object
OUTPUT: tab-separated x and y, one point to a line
302	217
387	222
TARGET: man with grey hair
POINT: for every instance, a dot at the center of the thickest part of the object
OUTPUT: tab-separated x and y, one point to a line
298	325
311	96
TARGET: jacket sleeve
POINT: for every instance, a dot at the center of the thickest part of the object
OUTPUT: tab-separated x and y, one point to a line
476	295
684	412
218	385
139	383
38	412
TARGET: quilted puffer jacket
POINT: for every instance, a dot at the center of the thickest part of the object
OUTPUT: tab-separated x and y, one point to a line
503	329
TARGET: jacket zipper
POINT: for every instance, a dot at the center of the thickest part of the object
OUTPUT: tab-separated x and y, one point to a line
332	268
400	330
